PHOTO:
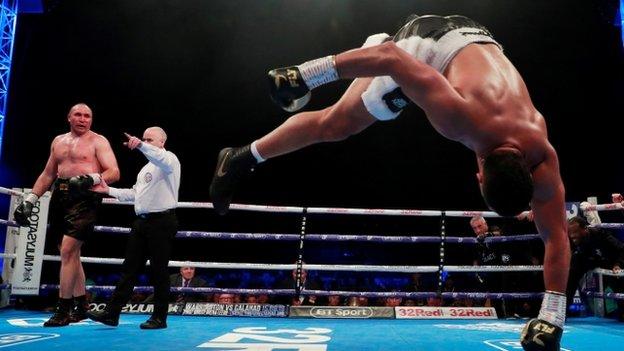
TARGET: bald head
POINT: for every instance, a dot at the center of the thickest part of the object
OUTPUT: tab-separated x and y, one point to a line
155	136
80	106
80	119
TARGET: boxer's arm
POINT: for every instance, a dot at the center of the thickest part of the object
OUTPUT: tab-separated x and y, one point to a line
162	158
108	162
45	179
548	203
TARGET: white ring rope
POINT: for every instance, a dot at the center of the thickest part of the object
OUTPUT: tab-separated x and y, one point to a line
315	210
323	267
7	191
8	223
608	225
608	272
510	268
316	267
327	210
586	206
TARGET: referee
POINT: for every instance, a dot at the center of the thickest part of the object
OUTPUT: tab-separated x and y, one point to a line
155	197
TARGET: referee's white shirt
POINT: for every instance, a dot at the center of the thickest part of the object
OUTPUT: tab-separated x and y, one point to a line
157	184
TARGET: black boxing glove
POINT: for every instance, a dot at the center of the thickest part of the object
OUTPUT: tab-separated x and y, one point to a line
82	183
539	335
291	86
24	210
288	89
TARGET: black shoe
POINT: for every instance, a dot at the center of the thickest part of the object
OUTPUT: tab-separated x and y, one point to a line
232	165
539	335
59	319
77	315
288	89
154	323
105	317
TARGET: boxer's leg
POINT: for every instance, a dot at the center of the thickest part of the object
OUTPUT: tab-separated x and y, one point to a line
347	117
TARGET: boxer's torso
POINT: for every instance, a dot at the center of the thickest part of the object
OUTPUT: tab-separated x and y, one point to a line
498	109
76	154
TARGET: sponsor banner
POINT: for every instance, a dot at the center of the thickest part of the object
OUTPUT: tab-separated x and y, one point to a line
238	309
139	308
426	312
27	273
359	312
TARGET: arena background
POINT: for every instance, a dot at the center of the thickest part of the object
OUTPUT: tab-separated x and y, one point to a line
198	69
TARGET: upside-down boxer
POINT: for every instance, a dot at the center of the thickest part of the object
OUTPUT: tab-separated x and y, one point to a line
454	70
78	160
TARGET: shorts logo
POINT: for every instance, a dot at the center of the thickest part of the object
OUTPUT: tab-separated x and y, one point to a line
395	100
481	32
399	103
147	177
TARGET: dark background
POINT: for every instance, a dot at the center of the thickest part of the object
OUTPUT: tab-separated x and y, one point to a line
197	68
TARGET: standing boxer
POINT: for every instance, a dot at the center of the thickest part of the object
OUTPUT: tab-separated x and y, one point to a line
78	160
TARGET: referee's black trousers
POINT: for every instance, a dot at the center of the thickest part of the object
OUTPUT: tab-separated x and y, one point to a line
150	239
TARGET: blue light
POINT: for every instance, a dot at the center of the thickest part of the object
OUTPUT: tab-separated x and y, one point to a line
8	18
622	20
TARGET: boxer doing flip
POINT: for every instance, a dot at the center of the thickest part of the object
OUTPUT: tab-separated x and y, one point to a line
454	70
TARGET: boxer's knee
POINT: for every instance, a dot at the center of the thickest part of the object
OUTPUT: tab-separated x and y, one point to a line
69	254
335	124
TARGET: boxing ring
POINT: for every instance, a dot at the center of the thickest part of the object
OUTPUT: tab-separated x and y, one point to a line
275	327
264	334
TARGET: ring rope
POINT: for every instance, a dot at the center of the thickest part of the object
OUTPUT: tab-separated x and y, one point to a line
420	294
338	237
316	237
608	225
608	272
7	191
586	206
316	267
328	237
327	210
8	223
609	295
310	210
